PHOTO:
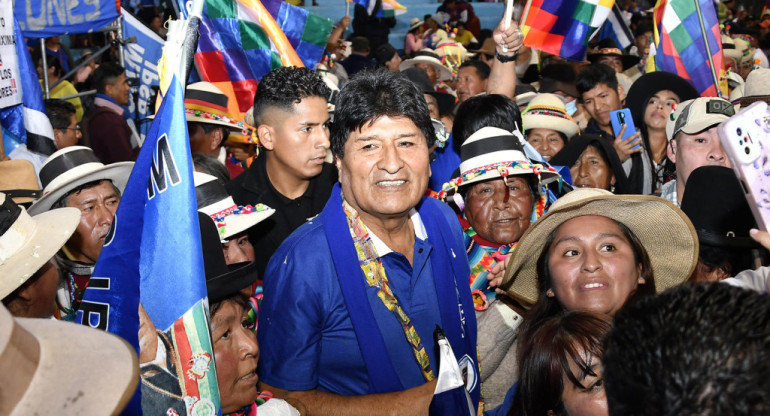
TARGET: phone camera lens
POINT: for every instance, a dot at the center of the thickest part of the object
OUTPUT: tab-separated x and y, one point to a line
739	131
747	150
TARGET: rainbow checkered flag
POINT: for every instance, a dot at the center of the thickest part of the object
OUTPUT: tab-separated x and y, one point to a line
153	254
563	27
242	40
681	47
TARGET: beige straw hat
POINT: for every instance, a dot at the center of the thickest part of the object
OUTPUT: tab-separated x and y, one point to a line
664	230
58	368
27	243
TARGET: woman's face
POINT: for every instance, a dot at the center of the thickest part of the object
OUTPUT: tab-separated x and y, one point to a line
659	106
238	249
592	265
590	399
235	354
592	171
498	212
547	142
393	62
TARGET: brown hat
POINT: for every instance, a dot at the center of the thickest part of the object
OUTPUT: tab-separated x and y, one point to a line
52	367
18	180
664	230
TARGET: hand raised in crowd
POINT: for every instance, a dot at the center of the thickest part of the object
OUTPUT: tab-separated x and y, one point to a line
625	148
507	41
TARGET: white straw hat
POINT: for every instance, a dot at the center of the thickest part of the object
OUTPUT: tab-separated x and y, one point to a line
547	111
431	58
58	368
71	167
27	243
213	200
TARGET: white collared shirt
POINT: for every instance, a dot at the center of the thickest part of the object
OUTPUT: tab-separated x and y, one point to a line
419	232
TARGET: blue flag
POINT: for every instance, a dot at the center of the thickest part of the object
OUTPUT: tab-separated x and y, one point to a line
27	122
142	63
46	18
153	254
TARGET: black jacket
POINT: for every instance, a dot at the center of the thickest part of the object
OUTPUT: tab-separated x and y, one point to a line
253	186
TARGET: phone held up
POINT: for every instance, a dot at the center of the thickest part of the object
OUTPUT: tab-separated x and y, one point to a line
746	140
618	119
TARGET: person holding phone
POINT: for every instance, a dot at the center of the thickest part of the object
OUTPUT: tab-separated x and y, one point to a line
601	94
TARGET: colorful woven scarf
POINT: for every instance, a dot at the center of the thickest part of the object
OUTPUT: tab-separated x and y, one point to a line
375	275
251	409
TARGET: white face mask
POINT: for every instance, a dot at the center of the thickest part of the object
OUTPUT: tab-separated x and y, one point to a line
571	107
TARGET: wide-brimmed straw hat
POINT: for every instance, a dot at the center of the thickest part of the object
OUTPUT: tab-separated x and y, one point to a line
547	111
213	200
71	167
27	243
18	180
414	24
663	229
57	368
427	56
490	153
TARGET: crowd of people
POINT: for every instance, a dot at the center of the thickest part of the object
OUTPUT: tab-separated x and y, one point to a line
357	216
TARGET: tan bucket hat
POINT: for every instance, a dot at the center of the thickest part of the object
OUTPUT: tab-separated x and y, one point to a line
27	243
19	181
664	230
57	368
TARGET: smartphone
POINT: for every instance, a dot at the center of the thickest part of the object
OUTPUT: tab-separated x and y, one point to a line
622	117
746	140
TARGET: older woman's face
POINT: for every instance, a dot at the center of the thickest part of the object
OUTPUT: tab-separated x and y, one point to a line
498	212
590	399
591	170
659	106
547	142
236	354
592	265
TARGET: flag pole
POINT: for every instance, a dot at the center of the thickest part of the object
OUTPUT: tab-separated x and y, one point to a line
347	8
708	49
190	40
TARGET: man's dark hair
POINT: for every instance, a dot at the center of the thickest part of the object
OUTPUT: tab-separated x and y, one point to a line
492	110
210	165
62	202
105	74
372	94
59	112
593	75
53	62
696	349
286	86
482	69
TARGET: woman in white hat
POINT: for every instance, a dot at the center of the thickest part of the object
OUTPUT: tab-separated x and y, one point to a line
499	194
413	41
547	125
595	251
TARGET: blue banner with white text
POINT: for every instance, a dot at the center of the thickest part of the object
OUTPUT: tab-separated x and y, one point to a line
46	18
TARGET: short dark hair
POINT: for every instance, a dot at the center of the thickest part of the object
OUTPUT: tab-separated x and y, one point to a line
286	86
546	353
482	69
59	113
695	349
592	75
372	94
105	74
491	110
53	62
62	202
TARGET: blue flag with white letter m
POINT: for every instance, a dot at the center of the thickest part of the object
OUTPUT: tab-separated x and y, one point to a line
149	285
